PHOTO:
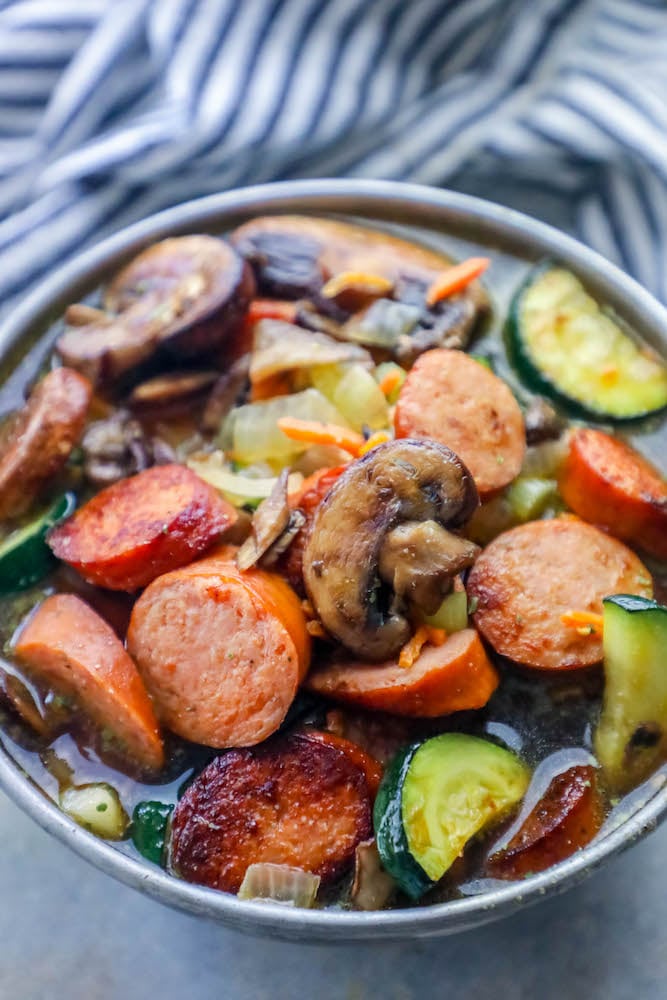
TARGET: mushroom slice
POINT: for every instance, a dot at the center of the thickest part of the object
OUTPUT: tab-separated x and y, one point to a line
184	295
299	257
280	347
171	389
420	559
270	520
352	555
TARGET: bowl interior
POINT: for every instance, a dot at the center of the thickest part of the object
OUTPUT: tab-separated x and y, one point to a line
456	224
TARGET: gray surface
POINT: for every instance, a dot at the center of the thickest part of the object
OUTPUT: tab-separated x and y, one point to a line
68	931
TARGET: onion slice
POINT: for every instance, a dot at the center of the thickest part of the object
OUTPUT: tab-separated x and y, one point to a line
279	884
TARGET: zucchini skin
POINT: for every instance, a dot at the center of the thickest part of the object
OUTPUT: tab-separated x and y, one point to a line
26	559
527	368
390	835
631	738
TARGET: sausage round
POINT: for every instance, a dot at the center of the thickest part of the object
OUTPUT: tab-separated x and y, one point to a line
451	398
296	801
221	657
141	527
66	646
37	441
528	577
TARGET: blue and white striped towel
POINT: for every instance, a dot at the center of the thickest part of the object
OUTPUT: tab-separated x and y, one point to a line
113	109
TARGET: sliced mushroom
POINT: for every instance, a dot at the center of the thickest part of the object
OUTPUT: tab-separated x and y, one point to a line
296	256
118	447
542	421
269	521
418	561
36	441
372	887
348	575
225	394
281	347
183	296
171	389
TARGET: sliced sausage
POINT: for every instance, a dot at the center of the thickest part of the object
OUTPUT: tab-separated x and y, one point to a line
450	678
371	768
528	577
221	653
66	646
608	483
37	441
451	398
314	490
296	801
565	819
141	527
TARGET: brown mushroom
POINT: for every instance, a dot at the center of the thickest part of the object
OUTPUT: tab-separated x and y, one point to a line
183	296
295	256
381	538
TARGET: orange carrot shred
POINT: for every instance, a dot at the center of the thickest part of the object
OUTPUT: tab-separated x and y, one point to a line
271	309
413	647
455	278
313	432
374	440
357	281
390	381
585	622
316	630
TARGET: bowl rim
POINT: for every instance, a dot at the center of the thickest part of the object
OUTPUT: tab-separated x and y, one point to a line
429	208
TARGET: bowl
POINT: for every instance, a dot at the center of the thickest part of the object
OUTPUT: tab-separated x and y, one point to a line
446	220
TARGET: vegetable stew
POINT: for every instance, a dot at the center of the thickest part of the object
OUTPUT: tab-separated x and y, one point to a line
332	569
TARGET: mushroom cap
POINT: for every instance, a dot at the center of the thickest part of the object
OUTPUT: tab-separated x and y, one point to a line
366	554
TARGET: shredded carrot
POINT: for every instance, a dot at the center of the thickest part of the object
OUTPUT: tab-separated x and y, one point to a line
374	440
312	432
357	281
455	278
413	647
585	622
390	381
271	309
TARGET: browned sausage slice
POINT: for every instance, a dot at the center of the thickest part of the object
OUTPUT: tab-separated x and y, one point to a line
296	801
66	646
221	656
451	398
528	577
141	527
37	441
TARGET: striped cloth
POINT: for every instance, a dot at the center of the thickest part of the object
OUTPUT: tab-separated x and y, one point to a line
113	109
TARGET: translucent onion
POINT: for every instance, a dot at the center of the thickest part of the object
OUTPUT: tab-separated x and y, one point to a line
353	390
96	807
237	487
530	496
281	347
280	884
254	436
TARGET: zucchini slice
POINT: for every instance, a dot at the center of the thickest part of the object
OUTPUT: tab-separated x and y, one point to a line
631	738
435	797
24	555
563	345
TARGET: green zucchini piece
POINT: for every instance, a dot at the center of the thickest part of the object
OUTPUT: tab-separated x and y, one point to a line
437	796
24	555
149	829
563	345
631	738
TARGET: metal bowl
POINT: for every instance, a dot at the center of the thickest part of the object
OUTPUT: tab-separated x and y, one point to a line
444	219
